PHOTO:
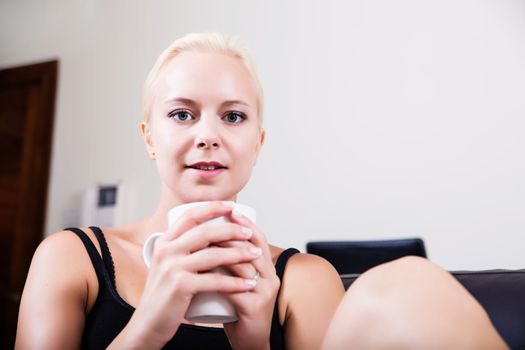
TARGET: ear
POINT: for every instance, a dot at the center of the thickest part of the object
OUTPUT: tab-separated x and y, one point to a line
146	135
260	143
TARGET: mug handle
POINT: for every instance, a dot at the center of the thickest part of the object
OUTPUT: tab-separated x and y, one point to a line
149	245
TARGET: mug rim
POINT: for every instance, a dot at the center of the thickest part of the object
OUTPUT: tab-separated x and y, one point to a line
175	212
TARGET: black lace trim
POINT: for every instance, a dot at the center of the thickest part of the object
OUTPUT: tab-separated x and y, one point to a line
106	254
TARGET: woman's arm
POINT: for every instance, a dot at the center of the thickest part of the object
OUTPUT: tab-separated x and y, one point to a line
311	291
52	309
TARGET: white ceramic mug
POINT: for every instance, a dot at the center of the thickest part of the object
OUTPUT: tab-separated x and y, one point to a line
206	307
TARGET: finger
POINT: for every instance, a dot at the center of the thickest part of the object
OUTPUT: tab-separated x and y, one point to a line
210	258
216	282
244	302
264	264
198	215
243	270
259	239
233	243
203	235
264	267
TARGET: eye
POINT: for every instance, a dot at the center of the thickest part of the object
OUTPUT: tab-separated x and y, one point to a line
180	115
235	117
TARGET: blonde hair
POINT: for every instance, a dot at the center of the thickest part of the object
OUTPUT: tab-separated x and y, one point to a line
216	42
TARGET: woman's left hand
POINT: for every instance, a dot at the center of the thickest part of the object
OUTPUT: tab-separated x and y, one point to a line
255	307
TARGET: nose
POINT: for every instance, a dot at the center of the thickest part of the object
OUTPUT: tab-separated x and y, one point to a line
207	135
207	143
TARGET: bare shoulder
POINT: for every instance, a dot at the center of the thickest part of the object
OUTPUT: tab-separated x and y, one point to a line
309	278
306	261
61	239
63	257
62	262
54	300
311	291
61	247
304	270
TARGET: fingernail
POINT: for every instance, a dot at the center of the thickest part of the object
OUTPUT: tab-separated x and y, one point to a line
237	213
247	231
256	251
251	282
228	204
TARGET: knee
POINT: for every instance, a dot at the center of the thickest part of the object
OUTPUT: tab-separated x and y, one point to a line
406	267
401	274
409	301
408	287
379	308
391	285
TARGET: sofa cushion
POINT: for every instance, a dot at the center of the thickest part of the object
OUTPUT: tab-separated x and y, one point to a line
502	295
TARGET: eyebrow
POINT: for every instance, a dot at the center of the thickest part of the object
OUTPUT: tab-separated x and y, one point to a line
183	100
235	102
191	102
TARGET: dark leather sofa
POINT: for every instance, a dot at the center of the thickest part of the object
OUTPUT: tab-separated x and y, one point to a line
500	292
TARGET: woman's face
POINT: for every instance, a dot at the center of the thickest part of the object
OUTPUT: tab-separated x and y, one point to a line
203	130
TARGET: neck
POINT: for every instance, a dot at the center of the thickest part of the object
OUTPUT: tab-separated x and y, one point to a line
158	222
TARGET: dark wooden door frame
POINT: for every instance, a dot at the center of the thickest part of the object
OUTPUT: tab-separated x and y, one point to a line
34	179
40	80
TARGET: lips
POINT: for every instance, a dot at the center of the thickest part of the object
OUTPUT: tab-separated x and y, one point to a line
208	166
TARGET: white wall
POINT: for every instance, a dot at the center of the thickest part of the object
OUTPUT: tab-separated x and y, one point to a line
384	118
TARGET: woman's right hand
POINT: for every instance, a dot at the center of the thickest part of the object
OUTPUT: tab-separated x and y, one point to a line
181	268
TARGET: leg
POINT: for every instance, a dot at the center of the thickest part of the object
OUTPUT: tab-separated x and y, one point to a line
410	303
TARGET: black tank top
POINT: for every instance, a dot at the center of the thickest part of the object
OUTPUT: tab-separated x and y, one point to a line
111	313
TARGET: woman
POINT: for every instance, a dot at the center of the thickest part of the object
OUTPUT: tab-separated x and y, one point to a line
203	113
202	128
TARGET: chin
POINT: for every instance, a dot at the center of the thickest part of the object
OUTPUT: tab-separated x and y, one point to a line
210	194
